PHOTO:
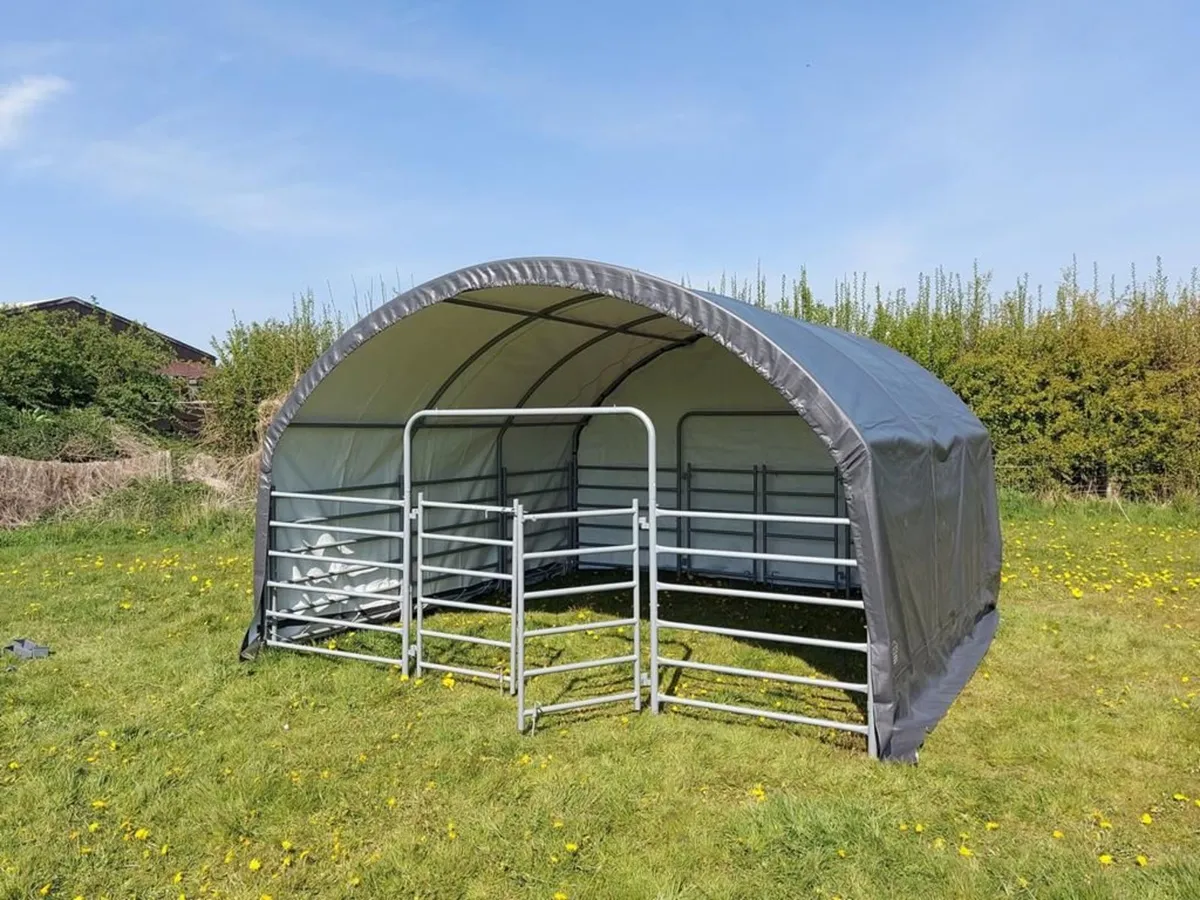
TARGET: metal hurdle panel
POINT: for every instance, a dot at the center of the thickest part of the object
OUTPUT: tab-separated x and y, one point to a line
657	624
318	582
632	584
422	568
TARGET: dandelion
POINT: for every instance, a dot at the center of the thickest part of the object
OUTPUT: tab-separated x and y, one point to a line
965	851
285	844
1147	818
448	681
1106	859
178	878
14	765
992	826
559	895
254	865
918	828
558	823
904	826
1142	860
1180	797
93	827
44	889
758	793
571	847
99	804
1057	835
142	833
842	852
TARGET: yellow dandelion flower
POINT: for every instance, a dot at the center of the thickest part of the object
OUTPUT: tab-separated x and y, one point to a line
1142	860
904	826
285	844
254	865
448	680
1057	835
571	847
14	765
44	889
992	826
355	881
939	843
559	895
93	827
1106	859
1180	797
918	828
178	878
1147	818
842	852
965	851
142	833
558	823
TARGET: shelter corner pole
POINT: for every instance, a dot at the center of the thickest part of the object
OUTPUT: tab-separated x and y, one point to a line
406	600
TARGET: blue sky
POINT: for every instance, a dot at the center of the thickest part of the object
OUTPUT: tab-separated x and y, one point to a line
182	161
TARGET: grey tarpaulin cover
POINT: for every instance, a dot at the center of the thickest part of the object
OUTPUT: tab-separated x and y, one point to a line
916	463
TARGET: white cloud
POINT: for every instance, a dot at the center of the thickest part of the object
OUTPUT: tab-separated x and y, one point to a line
213	182
21	99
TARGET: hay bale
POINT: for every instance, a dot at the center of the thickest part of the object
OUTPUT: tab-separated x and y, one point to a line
30	489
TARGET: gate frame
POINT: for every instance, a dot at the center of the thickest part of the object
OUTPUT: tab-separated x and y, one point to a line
650	521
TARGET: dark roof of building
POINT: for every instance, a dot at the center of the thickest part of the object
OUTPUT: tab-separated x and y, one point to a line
183	351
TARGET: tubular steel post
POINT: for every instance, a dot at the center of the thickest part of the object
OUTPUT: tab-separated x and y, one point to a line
419	578
405	574
637	609
872	746
270	633
517	657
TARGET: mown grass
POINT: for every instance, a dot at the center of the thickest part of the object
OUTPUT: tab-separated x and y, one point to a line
142	759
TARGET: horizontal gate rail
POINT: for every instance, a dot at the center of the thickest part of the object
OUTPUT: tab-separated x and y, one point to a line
345	529
580	551
351	561
752	517
353	624
767	714
764	636
582	589
759	595
341	654
582	626
337	498
764	675
331	591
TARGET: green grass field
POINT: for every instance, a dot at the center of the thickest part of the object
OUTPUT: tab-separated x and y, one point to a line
144	760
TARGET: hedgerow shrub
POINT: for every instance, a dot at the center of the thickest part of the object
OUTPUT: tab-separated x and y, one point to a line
259	361
70	385
69	435
1091	391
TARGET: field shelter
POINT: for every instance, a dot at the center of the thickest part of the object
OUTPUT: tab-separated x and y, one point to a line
478	441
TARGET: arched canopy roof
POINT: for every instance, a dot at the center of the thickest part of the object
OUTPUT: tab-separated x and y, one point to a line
916	463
